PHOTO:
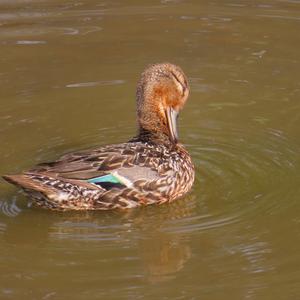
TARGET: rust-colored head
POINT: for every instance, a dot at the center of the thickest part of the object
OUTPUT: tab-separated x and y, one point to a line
161	92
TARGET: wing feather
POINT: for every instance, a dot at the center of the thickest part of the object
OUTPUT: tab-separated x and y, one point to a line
121	158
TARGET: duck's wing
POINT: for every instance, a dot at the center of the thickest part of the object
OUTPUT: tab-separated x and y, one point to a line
116	176
85	164
111	166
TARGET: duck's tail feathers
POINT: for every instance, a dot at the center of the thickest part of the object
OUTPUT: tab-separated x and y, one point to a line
26	182
43	192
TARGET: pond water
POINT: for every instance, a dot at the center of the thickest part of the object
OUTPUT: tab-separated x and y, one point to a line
68	76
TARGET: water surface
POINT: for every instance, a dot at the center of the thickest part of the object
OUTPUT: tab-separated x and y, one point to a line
68	76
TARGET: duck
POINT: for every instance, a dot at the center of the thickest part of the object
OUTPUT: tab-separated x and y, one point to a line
151	168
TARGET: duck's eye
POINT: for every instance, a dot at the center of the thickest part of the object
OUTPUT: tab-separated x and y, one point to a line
181	86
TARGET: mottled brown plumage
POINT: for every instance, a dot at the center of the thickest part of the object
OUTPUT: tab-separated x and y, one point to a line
150	168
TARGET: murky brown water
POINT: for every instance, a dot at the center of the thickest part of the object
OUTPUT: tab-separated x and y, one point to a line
68	75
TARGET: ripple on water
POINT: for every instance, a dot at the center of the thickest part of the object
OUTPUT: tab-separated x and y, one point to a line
2	227
91	229
244	168
95	83
39	31
238	172
10	207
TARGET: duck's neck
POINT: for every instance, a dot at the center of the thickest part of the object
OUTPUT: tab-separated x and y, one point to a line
151	118
159	138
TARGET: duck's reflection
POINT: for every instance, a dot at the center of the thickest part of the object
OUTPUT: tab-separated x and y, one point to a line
164	250
148	233
156	244
163	256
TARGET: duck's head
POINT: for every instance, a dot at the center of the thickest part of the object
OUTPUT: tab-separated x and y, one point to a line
161	93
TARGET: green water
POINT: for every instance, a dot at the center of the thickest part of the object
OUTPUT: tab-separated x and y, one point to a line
68	76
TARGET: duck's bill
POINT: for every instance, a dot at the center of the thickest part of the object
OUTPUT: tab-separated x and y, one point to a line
172	123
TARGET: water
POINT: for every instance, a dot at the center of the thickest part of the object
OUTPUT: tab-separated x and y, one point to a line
68	76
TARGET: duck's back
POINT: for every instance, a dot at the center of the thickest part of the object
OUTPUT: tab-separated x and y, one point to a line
116	176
